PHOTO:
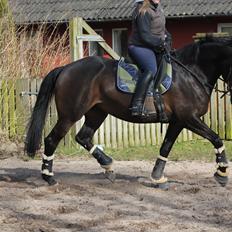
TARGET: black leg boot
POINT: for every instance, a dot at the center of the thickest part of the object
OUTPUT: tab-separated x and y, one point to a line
137	104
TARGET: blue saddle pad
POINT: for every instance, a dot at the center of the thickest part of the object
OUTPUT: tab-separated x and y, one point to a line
128	74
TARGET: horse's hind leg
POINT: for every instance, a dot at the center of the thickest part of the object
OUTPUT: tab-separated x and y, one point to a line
93	120
200	128
51	142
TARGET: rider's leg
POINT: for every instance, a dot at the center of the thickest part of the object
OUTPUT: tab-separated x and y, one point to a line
137	104
146	60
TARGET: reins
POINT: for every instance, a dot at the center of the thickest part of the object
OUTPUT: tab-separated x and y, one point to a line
229	87
204	85
193	74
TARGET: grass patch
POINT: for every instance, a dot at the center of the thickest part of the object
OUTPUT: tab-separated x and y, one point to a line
191	150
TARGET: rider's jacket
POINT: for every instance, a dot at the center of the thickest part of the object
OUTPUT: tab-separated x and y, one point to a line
148	29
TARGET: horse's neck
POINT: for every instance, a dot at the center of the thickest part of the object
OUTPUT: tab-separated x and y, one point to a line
197	72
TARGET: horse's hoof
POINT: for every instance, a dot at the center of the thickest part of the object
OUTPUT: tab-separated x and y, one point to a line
163	186
110	175
161	183
49	179
152	184
222	180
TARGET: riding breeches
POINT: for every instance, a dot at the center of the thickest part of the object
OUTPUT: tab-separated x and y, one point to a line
145	58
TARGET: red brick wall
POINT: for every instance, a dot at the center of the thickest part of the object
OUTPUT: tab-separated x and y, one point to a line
183	30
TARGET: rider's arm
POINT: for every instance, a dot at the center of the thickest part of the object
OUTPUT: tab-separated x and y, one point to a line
144	28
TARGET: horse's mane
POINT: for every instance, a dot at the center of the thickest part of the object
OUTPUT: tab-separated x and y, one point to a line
188	53
225	40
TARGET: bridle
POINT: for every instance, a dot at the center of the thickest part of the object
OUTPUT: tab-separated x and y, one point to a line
229	85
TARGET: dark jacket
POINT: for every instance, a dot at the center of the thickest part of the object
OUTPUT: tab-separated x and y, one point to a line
148	29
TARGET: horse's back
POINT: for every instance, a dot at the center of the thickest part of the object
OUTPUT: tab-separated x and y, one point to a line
81	84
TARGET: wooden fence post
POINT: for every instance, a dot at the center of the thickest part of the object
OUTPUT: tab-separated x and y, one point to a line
76	46
221	112
5	106
228	115
22	106
12	119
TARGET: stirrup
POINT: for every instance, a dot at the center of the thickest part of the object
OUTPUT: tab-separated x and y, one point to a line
141	111
163	117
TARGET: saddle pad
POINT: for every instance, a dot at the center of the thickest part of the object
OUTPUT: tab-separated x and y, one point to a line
127	76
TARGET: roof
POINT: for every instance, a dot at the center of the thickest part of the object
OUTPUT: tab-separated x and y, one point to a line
34	11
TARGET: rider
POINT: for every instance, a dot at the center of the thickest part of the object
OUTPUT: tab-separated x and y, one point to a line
146	42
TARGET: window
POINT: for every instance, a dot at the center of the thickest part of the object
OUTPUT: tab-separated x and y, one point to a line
225	27
120	41
94	48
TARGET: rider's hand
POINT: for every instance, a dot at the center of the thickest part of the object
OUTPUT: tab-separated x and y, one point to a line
161	47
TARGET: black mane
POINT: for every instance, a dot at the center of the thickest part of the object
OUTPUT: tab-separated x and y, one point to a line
226	40
188	53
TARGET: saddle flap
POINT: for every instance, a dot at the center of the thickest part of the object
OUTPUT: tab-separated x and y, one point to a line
164	76
128	74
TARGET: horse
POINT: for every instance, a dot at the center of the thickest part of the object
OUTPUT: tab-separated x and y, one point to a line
87	88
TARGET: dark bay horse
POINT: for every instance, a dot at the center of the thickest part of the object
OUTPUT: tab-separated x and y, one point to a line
87	87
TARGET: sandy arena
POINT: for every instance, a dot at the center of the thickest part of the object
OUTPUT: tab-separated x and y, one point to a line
85	201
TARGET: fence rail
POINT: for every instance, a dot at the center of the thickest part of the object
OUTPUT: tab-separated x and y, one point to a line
113	133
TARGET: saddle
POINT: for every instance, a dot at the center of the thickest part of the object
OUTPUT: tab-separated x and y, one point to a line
128	74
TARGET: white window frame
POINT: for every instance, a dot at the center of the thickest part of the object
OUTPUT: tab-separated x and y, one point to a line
113	35
101	34
220	25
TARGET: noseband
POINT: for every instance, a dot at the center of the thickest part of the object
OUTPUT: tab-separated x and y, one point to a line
229	85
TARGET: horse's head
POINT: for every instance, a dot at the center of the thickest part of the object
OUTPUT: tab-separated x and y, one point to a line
227	76
215	55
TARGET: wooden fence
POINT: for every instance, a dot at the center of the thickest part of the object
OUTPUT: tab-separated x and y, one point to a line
16	106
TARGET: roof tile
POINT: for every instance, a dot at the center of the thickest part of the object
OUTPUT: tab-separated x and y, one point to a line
34	11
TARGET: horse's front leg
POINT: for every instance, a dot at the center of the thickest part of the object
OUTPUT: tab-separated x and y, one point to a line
199	127
221	174
172	133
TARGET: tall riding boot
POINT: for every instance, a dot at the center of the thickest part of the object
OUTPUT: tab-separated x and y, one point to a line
137	104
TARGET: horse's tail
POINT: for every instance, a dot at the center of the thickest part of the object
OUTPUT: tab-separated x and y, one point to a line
37	121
